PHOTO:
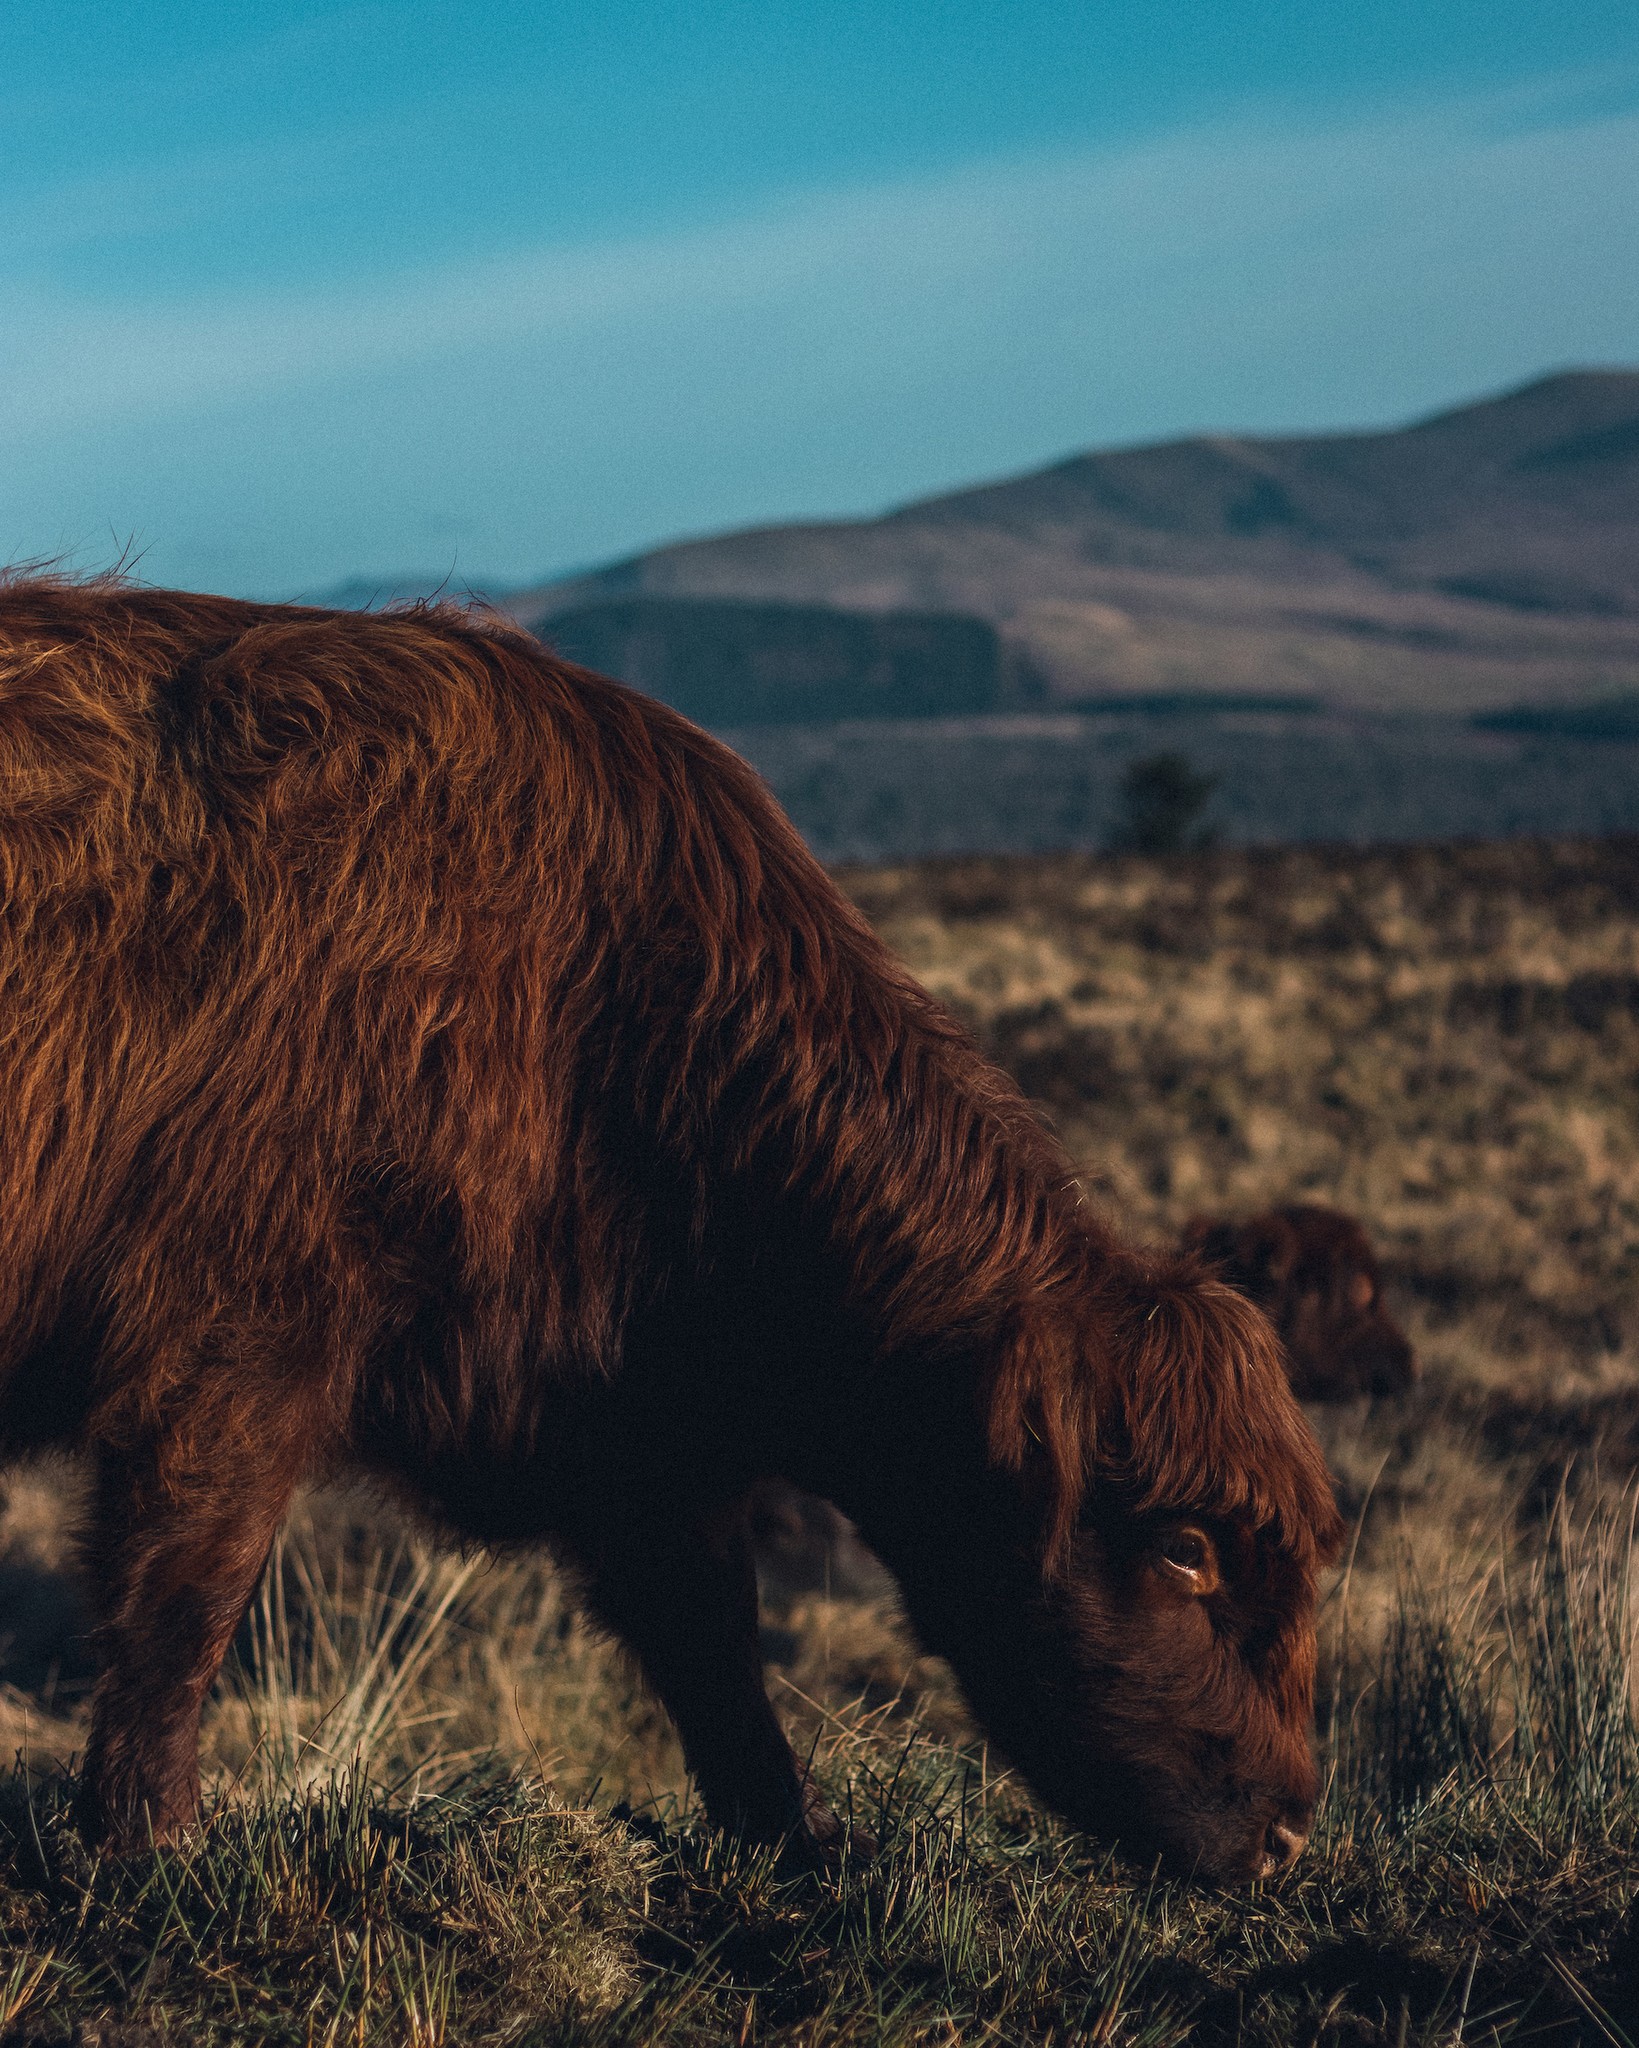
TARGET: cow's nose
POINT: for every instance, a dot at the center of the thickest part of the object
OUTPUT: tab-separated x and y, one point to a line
1282	1846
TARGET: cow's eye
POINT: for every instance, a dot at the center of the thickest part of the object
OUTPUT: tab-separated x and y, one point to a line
1188	1558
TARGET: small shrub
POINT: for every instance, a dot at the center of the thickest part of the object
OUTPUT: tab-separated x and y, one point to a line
1162	798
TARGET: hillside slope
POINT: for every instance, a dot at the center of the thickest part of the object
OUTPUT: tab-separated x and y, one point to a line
1486	557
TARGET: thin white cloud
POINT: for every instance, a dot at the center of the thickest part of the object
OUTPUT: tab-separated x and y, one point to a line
843	347
1098	223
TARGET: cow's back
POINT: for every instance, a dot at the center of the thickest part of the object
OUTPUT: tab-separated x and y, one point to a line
337	950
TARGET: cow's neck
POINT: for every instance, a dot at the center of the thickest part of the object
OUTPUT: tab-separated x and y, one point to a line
911	1210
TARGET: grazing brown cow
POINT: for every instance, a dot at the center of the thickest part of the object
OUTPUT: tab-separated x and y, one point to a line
424	1060
1314	1275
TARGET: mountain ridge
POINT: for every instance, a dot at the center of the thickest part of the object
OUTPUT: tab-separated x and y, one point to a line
1483	556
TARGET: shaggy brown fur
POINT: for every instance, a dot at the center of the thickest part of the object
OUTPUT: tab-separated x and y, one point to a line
1314	1275
421	1058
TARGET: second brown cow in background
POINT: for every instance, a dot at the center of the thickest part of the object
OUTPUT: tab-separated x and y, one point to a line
1313	1273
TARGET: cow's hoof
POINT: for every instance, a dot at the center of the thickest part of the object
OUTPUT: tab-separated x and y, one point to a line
825	1843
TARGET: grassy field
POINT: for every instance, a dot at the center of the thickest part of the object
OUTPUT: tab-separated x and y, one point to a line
444	1811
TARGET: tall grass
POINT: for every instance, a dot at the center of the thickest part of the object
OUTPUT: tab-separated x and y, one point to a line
1571	1660
332	1666
370	1648
1515	1687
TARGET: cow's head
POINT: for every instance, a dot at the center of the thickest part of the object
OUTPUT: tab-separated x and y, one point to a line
1129	1595
1314	1275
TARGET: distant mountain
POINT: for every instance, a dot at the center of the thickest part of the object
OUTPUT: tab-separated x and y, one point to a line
1482	559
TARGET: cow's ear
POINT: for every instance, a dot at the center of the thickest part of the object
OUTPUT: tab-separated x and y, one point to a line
1257	1257
1211	1241
1269	1248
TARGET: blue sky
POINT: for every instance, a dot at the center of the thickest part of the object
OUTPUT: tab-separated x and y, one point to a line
292	295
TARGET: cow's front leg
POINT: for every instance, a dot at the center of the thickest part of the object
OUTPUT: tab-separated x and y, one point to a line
682	1595
175	1552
